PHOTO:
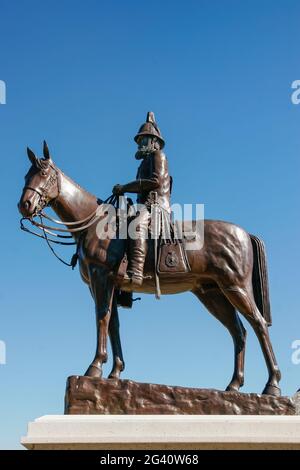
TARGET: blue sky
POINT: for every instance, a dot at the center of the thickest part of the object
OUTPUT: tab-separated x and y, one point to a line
218	76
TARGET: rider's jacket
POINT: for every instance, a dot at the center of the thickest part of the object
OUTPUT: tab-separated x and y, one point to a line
154	177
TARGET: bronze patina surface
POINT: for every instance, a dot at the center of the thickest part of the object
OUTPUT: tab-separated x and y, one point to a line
91	395
228	274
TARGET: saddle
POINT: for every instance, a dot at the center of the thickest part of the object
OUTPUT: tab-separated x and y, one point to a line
172	257
169	253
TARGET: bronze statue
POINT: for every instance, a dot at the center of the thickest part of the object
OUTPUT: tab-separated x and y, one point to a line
228	274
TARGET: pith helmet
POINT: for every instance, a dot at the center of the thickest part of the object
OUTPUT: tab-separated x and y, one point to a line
150	128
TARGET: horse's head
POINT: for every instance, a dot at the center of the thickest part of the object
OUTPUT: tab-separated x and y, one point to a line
41	184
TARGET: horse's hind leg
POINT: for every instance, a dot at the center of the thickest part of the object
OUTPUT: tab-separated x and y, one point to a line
218	305
114	333
243	300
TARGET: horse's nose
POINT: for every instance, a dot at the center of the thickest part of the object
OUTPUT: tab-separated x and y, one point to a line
24	207
27	204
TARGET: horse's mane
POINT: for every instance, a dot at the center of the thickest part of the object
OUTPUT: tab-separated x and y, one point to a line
75	183
43	164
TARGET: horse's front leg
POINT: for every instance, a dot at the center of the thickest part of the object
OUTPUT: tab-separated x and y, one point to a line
103	292
114	333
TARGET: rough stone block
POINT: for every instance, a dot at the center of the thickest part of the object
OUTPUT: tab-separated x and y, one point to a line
95	396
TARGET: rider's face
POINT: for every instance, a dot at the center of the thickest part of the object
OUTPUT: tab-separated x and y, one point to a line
146	145
144	141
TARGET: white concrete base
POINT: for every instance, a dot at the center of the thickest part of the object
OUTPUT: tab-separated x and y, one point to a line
163	432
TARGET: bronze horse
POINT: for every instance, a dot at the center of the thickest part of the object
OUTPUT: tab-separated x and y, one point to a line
221	274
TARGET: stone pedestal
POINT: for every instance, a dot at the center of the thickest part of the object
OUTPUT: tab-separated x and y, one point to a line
112	414
163	432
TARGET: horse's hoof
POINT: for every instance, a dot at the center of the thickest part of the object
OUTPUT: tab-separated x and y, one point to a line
93	371
118	367
114	376
272	390
232	388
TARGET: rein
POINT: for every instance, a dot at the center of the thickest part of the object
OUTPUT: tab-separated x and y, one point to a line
48	230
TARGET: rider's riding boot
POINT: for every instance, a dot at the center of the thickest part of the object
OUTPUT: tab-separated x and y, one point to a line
137	255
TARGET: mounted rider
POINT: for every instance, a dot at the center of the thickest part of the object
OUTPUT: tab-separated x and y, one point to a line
152	186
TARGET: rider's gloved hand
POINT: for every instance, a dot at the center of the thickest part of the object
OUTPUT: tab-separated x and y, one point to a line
118	190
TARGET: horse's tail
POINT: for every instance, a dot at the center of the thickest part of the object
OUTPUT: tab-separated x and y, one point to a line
260	281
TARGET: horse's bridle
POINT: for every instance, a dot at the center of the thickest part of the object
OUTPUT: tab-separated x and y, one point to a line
43	202
42	192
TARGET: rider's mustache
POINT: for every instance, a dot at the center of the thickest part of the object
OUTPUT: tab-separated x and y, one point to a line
144	151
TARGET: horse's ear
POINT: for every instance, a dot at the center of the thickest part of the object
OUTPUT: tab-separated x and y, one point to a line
46	151
31	156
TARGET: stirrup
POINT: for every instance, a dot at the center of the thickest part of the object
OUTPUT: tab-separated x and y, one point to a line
134	278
